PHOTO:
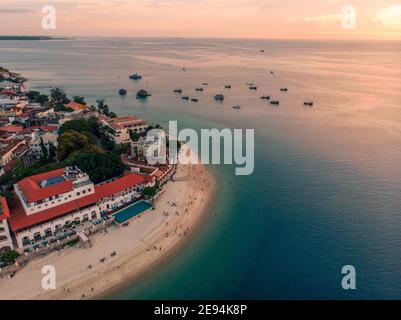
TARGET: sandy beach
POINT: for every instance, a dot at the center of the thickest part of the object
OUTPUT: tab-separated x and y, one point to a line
148	240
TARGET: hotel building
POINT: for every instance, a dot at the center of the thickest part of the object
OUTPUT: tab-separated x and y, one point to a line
5	236
52	203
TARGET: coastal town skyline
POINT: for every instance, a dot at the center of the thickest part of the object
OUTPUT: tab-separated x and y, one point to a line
313	19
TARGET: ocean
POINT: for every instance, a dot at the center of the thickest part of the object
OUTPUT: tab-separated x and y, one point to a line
326	189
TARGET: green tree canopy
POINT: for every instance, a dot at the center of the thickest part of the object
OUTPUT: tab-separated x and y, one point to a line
78	125
72	141
58	99
99	166
9	257
150	192
79	99
37	97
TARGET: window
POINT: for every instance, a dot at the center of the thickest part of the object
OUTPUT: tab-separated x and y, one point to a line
26	241
37	236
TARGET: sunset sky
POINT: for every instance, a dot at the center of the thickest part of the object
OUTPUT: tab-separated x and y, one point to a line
293	19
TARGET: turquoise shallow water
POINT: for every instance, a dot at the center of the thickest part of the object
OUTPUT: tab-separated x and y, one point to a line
326	187
131	211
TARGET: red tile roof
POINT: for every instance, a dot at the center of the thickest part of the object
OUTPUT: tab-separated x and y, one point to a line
12	128
6	212
76	106
45	128
42	128
32	190
20	220
116	186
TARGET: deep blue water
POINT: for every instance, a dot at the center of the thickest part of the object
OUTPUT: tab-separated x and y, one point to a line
327	182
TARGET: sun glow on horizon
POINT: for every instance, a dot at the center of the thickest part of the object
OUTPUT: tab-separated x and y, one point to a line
286	19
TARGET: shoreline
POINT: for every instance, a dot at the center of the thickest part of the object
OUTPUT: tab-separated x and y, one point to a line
151	238
169	255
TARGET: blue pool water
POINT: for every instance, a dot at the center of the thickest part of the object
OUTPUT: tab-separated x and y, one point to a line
131	211
52	181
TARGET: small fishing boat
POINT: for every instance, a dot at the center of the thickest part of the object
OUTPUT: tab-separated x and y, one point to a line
249	84
135	76
253	88
262	50
185	98
219	97
194	99
227	86
178	91
237	106
142	94
205	84
199	89
265	97
275	102
122	92
284	89
308	103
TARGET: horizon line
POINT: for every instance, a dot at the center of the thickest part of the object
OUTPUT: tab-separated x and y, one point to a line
200	37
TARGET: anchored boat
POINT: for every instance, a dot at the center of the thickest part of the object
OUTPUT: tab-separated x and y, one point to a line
135	76
142	94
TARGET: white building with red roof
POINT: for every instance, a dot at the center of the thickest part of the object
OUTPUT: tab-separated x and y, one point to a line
120	127
48	204
5	235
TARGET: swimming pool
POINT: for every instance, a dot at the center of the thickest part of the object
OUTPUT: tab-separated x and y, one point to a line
131	211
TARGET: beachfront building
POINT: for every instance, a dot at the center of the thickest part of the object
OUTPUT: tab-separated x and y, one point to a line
5	236
63	201
119	129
